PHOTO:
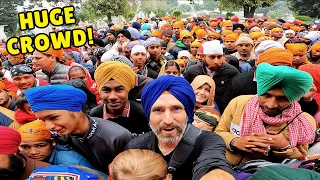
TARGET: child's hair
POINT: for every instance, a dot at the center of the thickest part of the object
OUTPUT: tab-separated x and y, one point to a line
21	100
138	164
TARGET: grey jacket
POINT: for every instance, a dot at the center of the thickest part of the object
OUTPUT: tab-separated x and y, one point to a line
58	75
102	143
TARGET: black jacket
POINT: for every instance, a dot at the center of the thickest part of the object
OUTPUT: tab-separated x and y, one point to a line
136	123
103	141
135	93
152	74
221	78
243	84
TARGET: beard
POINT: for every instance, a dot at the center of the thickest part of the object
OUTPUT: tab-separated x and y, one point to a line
174	138
314	59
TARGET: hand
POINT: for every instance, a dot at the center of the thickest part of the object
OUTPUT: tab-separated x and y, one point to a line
276	141
310	94
251	143
136	69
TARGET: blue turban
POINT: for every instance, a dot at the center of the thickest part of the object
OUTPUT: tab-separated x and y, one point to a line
294	83
56	97
175	85
145	26
146	32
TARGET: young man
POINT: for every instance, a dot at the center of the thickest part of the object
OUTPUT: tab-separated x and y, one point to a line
6	100
156	59
24	78
139	57
168	103
114	81
214	65
272	120
230	43
13	165
314	54
60	107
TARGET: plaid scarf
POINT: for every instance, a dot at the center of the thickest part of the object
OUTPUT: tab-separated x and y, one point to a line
300	130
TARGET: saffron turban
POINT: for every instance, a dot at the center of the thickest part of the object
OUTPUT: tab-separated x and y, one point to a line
195	44
297	49
116	70
57	97
275	55
35	130
294	83
10	140
176	86
275	29
200	33
226	23
231	37
315	46
212	33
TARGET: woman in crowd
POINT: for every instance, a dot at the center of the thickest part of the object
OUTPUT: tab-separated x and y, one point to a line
170	67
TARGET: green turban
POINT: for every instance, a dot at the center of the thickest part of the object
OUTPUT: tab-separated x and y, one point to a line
294	83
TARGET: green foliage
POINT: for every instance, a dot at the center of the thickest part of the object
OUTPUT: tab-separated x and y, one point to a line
304	18
129	15
176	13
279	8
9	16
305	7
229	14
185	7
210	5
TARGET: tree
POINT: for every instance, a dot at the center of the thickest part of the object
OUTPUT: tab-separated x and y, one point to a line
109	8
210	5
185	7
249	6
176	13
129	15
9	15
305	7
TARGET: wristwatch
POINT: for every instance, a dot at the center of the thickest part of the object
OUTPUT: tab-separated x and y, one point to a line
232	147
284	148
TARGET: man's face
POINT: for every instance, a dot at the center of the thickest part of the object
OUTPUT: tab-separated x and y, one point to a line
4	97
238	30
315	55
230	44
36	148
115	96
228	27
185	59
187	40
24	82
199	57
289	35
211	38
214	27
244	49
194	50
138	59
273	102
42	61
303	28
176	30
168	119
202	26
61	122
121	38
110	37
154	50
166	38
14	60
214	62
11	166
298	59
277	34
163	50
125	51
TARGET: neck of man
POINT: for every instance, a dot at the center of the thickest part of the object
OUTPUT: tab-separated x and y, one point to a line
82	126
245	56
155	58
49	67
115	113
140	67
167	148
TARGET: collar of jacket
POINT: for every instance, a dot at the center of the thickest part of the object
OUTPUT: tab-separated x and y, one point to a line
204	69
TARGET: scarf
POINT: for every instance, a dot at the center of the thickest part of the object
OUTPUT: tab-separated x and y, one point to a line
300	130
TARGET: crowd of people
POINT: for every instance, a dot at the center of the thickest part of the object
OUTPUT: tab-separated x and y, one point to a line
163	99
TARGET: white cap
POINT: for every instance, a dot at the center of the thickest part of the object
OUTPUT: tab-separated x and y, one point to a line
184	53
265	45
212	47
138	48
290	31
313	35
108	55
255	28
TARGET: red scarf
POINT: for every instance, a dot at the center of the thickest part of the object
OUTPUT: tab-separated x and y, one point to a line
300	130
22	117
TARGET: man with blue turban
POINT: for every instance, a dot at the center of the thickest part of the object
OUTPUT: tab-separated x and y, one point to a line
60	107
168	103
271	122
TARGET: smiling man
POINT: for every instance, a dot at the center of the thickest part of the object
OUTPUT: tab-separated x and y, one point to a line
271	122
168	103
114	81
60	107
24	78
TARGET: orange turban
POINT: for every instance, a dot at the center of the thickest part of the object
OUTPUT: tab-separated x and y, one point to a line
166	18
180	62
256	35
272	20
226	23
226	32
195	44
165	26
56	53
184	33
232	36
264	38
139	21
116	28
200	33
297	48
3	85
275	29
4	52
35	130
179	24
286	25
156	33
212	33
316	46
245	24
295	28
275	55
18	56
213	23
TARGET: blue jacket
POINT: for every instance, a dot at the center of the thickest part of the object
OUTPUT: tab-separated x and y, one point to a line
62	155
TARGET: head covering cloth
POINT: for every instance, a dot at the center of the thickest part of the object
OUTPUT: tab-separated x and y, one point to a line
204	79
10	140
35	130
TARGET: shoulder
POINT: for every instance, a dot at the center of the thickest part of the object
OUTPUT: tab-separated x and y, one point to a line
143	141
243	99
135	106
310	119
210	137
230	69
97	111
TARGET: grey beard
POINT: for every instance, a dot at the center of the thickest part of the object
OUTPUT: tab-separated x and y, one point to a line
169	139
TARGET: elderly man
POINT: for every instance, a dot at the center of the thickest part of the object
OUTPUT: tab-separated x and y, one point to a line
24	78
213	65
271	122
244	45
60	107
182	44
13	165
114	81
168	103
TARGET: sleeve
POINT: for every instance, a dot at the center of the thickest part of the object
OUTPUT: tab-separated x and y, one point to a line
212	155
